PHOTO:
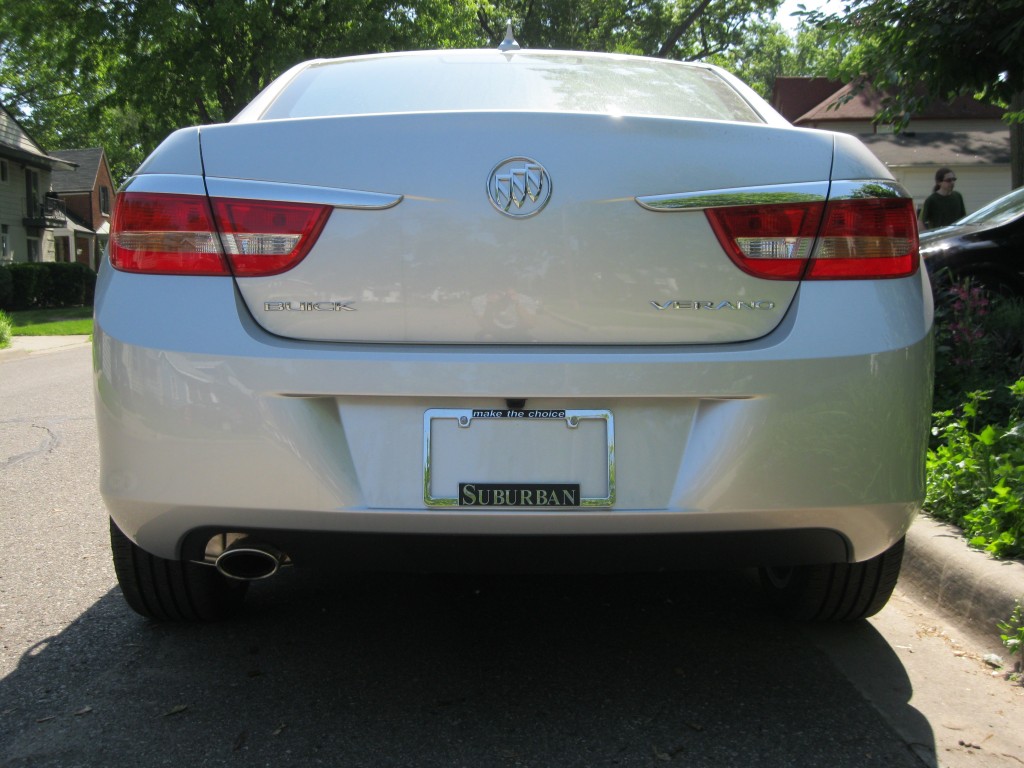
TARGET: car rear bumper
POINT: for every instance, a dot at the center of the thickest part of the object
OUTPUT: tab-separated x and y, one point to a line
208	422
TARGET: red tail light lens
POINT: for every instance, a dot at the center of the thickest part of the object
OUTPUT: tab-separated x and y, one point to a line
768	241
842	240
165	234
866	239
183	235
262	238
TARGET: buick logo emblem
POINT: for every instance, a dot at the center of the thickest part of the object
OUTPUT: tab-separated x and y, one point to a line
519	187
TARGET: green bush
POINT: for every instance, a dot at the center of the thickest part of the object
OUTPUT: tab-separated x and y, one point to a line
976	473
979	346
68	284
29	284
975	468
40	285
5	329
6	288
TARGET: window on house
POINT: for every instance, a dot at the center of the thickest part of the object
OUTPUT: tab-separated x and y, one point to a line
5	253
105	201
33	249
32	195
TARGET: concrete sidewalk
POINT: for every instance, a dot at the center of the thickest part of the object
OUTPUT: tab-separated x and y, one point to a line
970	588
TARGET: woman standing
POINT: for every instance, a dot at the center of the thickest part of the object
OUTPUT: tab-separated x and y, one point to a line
944	205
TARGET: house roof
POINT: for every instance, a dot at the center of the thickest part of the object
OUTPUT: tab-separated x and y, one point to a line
939	149
16	144
794	96
83	177
845	104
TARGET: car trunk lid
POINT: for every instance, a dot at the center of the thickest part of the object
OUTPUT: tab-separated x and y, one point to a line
442	231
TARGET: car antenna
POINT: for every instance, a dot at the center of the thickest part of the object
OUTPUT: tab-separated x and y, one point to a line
509	43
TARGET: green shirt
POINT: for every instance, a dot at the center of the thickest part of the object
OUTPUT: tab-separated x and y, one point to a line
940	210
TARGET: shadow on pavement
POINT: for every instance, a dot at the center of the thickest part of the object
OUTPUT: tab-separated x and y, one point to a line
686	669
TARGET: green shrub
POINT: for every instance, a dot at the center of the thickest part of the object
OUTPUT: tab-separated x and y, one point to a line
6	288
979	346
1012	635
40	285
5	329
29	285
976	473
67	284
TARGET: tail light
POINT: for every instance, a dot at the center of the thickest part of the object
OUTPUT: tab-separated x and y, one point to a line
840	240
189	235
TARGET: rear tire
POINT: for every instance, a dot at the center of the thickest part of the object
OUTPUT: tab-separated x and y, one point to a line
836	592
170	590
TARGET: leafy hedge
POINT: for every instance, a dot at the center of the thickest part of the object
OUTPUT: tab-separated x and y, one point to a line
975	467
976	473
6	288
40	285
6	328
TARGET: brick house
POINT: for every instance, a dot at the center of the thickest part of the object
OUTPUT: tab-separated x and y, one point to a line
88	196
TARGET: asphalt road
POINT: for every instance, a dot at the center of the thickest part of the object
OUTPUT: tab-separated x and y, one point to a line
686	670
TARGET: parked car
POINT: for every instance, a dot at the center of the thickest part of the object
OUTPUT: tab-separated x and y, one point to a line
511	309
986	247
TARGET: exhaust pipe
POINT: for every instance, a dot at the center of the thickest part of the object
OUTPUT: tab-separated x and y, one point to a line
248	560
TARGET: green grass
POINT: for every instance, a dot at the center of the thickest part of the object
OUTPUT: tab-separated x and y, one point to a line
70	321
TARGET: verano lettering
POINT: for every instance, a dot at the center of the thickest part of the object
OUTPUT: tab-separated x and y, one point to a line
698	304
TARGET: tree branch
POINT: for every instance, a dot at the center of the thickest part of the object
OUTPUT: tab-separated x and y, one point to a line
681	28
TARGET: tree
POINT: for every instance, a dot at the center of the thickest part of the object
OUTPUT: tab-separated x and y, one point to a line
677	29
125	73
918	51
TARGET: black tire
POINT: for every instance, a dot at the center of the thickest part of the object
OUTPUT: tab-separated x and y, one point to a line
170	590
837	592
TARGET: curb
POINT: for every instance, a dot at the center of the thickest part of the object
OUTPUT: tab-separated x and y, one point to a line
968	586
23	346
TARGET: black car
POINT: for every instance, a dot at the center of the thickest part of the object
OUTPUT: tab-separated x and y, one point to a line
986	247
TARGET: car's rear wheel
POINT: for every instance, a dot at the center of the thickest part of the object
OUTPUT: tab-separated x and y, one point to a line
836	592
169	590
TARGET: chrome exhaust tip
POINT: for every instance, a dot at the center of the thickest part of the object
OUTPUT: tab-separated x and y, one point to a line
249	561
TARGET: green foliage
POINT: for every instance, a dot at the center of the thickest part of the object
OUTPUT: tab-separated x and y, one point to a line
763	54
767	51
71	284
51	284
918	51
1012	635
6	288
979	345
675	29
976	474
125	75
975	468
30	283
5	330
80	73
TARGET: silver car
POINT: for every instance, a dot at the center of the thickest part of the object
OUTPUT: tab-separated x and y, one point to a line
516	309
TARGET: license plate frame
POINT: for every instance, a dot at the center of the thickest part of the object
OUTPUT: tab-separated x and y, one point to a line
572	419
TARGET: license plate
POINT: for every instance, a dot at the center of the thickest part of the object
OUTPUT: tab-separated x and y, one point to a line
527	458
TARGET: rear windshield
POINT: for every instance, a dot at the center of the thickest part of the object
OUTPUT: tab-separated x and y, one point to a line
488	80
